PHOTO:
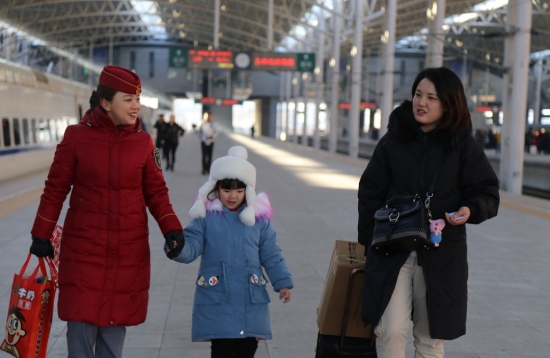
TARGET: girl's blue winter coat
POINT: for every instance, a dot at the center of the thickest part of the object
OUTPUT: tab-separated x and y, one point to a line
231	298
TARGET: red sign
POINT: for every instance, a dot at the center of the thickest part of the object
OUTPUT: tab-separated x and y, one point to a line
364	105
218	101
263	62
210	59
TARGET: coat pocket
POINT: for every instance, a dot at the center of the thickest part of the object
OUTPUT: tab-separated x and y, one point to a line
209	287
257	285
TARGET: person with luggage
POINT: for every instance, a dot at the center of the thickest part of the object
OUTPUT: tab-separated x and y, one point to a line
114	173
429	284
231	230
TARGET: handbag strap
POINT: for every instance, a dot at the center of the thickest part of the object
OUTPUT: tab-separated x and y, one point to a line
430	193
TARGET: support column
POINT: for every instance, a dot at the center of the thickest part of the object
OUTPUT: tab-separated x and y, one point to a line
296	86
538	85
388	65
74	65
270	11
436	38
281	99
10	40
288	96
319	67
518	108
306	81
216	41
509	44
91	59
111	50
357	53
335	64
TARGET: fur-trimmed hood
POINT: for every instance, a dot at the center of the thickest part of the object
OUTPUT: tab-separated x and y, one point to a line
263	209
403	128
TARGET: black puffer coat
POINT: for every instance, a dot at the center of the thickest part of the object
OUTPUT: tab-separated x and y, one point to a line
404	162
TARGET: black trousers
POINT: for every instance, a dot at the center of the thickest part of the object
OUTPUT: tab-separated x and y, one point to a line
234	348
206	151
170	155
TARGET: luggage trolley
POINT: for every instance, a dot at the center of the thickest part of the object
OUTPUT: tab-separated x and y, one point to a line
329	346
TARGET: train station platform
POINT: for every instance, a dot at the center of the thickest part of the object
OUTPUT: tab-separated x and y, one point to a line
313	195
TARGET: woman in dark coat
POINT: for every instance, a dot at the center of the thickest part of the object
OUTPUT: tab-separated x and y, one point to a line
431	282
114	173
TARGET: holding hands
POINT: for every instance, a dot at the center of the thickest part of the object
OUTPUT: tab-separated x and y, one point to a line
175	243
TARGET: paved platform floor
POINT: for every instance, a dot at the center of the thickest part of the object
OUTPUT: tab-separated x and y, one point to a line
314	199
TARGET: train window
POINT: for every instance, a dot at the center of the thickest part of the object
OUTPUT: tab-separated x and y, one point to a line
6	132
44	131
26	135
61	125
16	132
33	130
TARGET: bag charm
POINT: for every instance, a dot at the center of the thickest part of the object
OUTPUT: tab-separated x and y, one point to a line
436	226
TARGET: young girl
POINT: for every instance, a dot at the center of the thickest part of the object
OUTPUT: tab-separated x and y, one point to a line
232	231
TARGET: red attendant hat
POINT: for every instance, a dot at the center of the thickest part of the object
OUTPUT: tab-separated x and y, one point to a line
120	79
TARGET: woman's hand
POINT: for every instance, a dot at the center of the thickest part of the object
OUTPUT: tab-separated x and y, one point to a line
460	217
284	293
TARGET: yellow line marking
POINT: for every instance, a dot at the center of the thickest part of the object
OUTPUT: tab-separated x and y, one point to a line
17	202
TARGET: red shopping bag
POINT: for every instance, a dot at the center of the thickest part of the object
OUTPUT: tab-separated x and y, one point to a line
54	263
30	313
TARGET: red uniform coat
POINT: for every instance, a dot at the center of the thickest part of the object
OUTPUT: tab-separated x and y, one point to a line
104	269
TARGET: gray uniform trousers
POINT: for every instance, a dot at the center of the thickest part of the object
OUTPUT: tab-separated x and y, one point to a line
86	340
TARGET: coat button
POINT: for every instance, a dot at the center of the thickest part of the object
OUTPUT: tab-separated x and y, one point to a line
242	332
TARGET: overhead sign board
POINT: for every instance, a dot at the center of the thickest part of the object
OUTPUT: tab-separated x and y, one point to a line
362	105
277	61
178	58
305	62
211	59
228	60
274	61
218	101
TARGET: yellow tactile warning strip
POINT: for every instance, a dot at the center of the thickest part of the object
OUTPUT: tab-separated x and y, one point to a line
19	201
527	209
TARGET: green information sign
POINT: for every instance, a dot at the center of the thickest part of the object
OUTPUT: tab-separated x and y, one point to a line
178	58
305	62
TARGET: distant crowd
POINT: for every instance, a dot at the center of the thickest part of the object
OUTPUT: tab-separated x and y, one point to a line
538	139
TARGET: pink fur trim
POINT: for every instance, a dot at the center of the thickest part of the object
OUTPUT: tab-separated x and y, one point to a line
263	207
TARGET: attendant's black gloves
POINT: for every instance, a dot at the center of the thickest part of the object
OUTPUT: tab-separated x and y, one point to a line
41	247
175	250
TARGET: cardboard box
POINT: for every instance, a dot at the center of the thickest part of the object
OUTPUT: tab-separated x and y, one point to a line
330	314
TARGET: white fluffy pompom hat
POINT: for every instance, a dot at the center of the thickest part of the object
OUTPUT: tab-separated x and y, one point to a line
233	166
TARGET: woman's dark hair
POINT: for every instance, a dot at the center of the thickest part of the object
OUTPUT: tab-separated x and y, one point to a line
99	93
227	184
451	94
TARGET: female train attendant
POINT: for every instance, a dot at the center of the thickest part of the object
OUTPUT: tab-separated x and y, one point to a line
431	283
115	174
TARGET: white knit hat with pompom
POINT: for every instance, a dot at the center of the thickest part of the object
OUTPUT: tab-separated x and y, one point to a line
233	166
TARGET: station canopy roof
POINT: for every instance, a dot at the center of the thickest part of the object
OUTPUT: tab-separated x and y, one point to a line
475	32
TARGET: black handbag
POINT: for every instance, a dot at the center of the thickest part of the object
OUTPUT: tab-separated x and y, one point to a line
402	224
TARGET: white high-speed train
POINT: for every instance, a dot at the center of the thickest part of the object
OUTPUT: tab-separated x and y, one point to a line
35	109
